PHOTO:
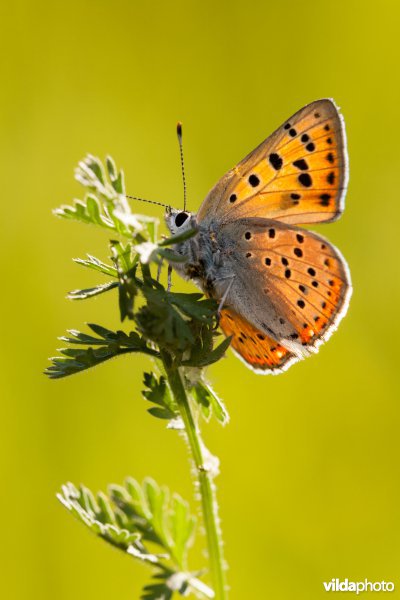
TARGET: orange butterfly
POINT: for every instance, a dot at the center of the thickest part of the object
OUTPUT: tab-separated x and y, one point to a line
282	289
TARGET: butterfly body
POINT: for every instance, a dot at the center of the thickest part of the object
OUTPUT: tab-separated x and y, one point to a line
283	289
206	255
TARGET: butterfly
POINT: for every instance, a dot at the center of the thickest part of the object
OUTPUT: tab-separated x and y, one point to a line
282	289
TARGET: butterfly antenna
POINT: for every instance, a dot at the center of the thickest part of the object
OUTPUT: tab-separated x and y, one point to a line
148	201
179	133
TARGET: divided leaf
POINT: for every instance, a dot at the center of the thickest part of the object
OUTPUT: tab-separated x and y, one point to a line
160	518
159	393
94	263
105	203
98	515
131	516
95	351
209	402
165	584
90	292
126	265
203	352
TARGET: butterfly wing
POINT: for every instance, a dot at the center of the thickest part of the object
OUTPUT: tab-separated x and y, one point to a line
289	283
297	175
257	350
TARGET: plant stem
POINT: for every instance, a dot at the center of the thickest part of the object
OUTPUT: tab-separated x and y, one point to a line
206	486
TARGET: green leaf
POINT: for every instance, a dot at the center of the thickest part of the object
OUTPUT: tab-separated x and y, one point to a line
79	211
122	256
177	239
93	209
182	526
156	592
90	292
106	512
158	502
161	413
170	255
209	402
218	352
165	583
91	174
126	265
127	291
111	168
133	496
159	393
105	202
160	518
131	517
94	263
193	305
109	344
160	322
82	504
202	355
116	178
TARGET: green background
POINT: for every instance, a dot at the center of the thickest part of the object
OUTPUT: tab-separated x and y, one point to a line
310	487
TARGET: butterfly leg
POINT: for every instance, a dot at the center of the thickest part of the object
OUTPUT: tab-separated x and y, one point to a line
169	278
225	295
160	266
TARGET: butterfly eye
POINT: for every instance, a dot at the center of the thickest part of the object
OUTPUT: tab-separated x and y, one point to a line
180	218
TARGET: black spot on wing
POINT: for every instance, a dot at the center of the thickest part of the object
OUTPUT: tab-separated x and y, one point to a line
305	179
275	161
301	164
254	181
325	199
331	178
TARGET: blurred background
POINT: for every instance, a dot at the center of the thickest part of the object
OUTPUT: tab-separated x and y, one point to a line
310	487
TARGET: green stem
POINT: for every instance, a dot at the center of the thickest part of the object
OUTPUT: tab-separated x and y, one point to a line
208	501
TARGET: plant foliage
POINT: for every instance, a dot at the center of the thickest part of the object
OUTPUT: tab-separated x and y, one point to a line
148	523
179	330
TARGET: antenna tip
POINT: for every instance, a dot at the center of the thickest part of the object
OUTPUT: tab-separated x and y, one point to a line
179	130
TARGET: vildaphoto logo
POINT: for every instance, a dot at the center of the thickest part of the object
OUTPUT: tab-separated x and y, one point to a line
337	585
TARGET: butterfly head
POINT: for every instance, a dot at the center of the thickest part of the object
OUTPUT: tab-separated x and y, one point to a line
179	221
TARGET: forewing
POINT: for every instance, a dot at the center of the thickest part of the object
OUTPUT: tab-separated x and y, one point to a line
257	350
298	175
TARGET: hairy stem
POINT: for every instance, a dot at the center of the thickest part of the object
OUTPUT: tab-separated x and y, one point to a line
206	486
